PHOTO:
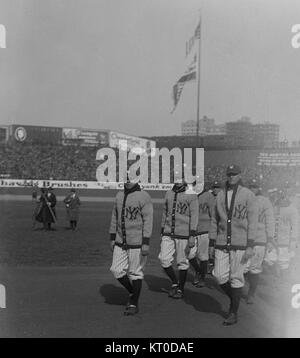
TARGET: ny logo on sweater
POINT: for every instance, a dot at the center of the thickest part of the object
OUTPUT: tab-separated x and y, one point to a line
240	212
181	208
262	216
131	212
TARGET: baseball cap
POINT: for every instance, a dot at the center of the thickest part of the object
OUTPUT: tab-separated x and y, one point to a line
216	184
254	183
233	169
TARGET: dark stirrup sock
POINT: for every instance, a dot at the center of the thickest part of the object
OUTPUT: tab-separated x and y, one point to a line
236	297
195	265
124	281
253	282
227	289
171	273
203	268
137	287
182	279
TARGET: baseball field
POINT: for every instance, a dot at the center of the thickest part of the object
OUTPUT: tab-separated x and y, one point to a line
58	284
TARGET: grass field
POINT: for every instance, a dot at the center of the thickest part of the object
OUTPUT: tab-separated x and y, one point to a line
58	284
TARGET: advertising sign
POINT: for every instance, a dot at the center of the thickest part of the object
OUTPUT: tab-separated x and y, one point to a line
85	137
117	140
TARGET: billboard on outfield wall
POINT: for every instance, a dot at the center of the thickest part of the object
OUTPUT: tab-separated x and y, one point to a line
34	134
290	158
119	140
84	137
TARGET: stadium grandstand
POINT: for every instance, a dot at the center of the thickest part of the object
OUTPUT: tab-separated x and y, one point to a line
32	152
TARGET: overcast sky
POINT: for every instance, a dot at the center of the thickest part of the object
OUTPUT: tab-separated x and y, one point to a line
111	64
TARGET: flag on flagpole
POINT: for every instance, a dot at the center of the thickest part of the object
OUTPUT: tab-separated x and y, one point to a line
189	75
191	71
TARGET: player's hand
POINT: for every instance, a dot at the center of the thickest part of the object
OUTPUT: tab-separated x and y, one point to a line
247	255
145	250
211	253
112	245
191	242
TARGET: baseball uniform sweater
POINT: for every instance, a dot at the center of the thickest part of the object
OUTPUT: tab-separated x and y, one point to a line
234	227
206	202
132	218
266	221
180	213
286	216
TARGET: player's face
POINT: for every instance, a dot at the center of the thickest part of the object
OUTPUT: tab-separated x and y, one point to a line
129	185
216	191
233	179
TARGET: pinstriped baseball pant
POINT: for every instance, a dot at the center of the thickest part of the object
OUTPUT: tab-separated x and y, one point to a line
130	262
228	267
168	248
254	265
200	249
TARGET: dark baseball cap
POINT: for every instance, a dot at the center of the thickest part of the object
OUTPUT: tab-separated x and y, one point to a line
216	184
233	169
254	183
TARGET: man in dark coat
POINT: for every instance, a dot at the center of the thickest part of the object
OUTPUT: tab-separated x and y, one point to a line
72	203
47	214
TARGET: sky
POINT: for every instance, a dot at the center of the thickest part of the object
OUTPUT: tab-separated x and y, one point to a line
111	64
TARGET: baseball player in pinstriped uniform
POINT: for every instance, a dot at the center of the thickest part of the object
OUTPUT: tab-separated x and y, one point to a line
178	229
130	232
200	250
264	238
232	235
286	233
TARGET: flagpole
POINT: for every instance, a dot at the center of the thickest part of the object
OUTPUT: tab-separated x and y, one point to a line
198	83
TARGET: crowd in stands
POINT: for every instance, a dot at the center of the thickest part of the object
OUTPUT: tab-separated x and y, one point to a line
24	161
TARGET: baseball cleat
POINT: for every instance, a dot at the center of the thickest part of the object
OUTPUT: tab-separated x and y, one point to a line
232	319
201	283
178	294
196	279
131	310
173	290
129	301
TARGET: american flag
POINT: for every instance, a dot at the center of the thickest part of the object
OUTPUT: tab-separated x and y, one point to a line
190	73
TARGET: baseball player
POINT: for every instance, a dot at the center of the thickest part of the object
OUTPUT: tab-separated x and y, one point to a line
178	229
200	250
130	232
232	235
216	187
286	233
264	238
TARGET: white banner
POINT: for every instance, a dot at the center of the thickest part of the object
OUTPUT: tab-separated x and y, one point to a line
116	139
68	184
